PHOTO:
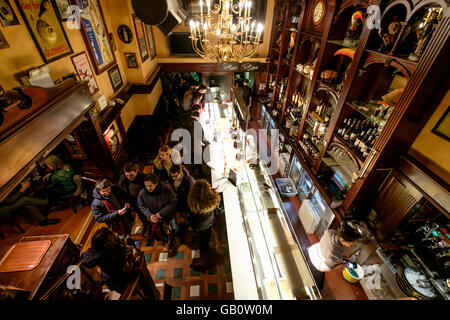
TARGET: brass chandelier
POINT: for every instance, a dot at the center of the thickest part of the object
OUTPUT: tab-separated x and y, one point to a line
226	31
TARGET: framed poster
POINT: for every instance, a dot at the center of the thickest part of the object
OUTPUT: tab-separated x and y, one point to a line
140	37
45	29
151	41
95	34
3	43
115	78
7	15
62	6
84	71
131	60
442	127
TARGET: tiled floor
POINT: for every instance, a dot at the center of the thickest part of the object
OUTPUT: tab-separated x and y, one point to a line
176	271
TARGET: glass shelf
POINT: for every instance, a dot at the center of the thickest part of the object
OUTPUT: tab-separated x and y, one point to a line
367	111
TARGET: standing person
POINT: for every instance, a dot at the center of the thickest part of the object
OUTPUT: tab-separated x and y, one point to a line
18	201
198	142
328	253
164	161
60	180
181	182
110	206
188	95
109	253
202	90
131	182
246	92
183	87
158	202
202	202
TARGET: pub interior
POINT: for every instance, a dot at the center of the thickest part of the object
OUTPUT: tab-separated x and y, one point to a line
317	165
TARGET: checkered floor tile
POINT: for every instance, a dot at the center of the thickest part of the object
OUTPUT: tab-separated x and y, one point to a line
185	280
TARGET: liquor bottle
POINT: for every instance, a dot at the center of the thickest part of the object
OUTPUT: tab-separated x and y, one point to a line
362	138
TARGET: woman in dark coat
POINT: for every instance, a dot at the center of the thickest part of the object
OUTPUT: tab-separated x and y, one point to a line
202	202
111	207
109	253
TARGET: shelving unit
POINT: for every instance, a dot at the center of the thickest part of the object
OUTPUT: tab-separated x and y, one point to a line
364	68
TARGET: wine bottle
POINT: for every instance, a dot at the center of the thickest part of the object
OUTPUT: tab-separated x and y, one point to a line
367	151
348	131
355	132
344	124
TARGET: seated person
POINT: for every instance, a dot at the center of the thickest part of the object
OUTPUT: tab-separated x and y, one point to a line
131	182
110	206
158	202
60	179
328	254
202	202
17	201
164	161
110	254
181	182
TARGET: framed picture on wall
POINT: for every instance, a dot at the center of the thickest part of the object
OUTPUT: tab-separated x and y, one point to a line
84	71
7	15
442	127
112	41
62	6
151	41
95	34
45	29
115	78
131	60
140	38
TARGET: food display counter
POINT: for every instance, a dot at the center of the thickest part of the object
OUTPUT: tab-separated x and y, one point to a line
265	256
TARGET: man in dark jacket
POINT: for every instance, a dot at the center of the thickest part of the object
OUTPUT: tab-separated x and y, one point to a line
131	182
157	202
181	182
110	206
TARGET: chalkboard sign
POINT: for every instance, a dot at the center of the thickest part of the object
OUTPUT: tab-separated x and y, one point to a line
249	66
229	66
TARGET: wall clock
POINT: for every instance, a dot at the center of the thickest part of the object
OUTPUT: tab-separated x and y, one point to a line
318	12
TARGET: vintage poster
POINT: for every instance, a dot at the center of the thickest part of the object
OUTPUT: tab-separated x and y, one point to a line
84	71
151	41
140	37
45	28
96	35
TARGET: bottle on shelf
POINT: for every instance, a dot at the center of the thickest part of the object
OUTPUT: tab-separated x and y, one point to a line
343	126
355	132
347	132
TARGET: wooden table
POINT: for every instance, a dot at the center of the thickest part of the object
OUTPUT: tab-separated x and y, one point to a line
38	281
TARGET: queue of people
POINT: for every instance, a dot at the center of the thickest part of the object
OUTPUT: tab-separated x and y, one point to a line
168	201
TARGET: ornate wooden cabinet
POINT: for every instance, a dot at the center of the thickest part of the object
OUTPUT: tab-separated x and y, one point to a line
334	66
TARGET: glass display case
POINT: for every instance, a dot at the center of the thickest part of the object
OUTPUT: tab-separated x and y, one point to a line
305	186
280	266
263	118
295	170
324	211
267	256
